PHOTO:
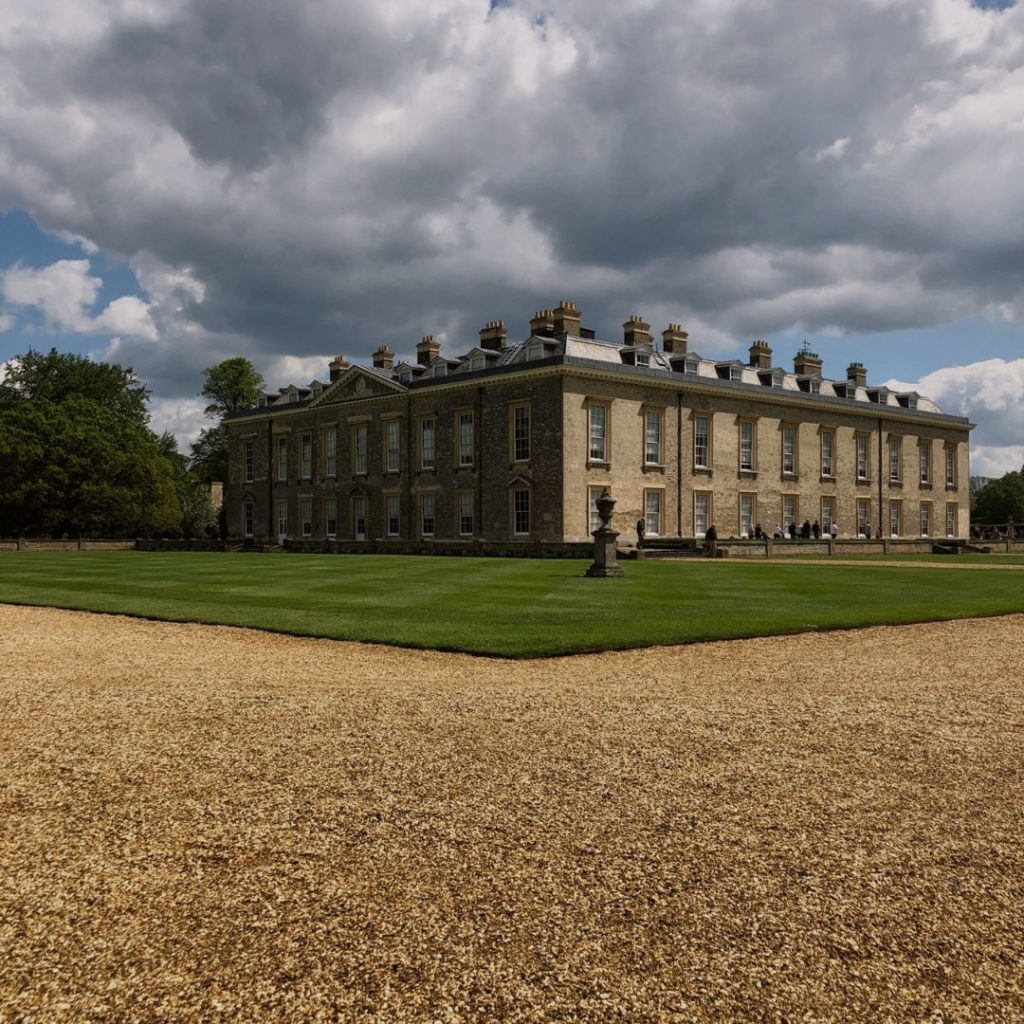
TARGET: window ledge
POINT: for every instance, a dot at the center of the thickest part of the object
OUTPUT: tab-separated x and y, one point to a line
653	467
925	486
748	474
952	487
896	483
827	478
703	470
863	481
789	476
598	464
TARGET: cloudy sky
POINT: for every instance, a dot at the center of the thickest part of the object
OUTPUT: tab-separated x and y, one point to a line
186	180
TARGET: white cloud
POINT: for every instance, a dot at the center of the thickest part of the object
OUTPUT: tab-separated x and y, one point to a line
182	417
65	291
6	322
989	393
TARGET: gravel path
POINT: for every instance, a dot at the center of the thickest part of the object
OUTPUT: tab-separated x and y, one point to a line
213	824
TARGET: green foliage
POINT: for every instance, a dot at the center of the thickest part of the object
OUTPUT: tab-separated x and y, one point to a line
82	468
198	516
210	454
1001	500
233	384
513	607
57	376
76	454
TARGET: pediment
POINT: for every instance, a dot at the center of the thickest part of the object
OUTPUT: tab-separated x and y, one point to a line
356	384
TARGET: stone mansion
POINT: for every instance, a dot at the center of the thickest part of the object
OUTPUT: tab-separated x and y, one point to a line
510	445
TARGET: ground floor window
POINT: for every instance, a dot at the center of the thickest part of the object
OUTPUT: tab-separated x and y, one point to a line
359	518
828	515
926	518
427	507
393	515
466	514
701	512
747	515
951	518
895	518
863	517
282	519
521	511
331	517
652	513
250	518
306	516
790	507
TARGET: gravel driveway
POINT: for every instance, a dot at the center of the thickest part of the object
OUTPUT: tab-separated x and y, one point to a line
204	823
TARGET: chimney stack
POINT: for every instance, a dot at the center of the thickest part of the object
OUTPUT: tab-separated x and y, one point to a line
427	349
760	356
383	358
543	323
673	340
637	331
337	366
567	318
494	335
856	374
807	363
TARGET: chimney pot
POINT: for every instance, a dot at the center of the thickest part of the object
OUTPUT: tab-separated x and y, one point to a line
566	318
543	323
760	355
383	358
637	331
336	367
427	350
674	339
494	335
857	374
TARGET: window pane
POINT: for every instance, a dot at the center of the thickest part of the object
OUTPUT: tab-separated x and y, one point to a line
427	444
595	519
652	513
789	449
826	452
250	460
427	515
521	433
700	442
521	510
895	458
862	457
701	503
307	456
331	452
746	445
466	439
359	450
392	513
652	440
391	446
598	427
466	514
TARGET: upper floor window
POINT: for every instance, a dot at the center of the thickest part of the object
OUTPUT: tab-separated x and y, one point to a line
789	449
598	415
652	437
391	450
643	358
359	449
306	451
950	466
701	442
827	447
331	452
746	445
926	462
440	370
862	456
250	461
895	458
427	444
282	458
520	433
465	439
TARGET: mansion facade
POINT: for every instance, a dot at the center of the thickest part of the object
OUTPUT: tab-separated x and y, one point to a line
511	444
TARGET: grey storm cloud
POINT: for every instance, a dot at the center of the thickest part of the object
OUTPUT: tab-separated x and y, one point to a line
326	177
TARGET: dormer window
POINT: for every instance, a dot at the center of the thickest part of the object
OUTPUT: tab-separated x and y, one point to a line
692	367
812	385
643	358
535	350
879	395
907	401
261	402
405	376
441	370
293	395
771	378
735	374
478	362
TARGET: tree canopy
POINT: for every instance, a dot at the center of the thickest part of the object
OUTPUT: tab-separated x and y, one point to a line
233	385
1001	500
76	454
56	376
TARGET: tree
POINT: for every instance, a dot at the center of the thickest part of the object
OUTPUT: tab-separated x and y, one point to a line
1001	500
56	376
79	468
76	454
233	385
198	516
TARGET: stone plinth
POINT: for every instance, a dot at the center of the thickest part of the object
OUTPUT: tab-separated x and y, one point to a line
605	538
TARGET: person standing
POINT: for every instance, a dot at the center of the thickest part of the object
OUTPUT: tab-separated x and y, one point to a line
816	530
641	532
711	541
833	530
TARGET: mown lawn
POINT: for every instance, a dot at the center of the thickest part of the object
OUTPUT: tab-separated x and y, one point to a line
509	607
